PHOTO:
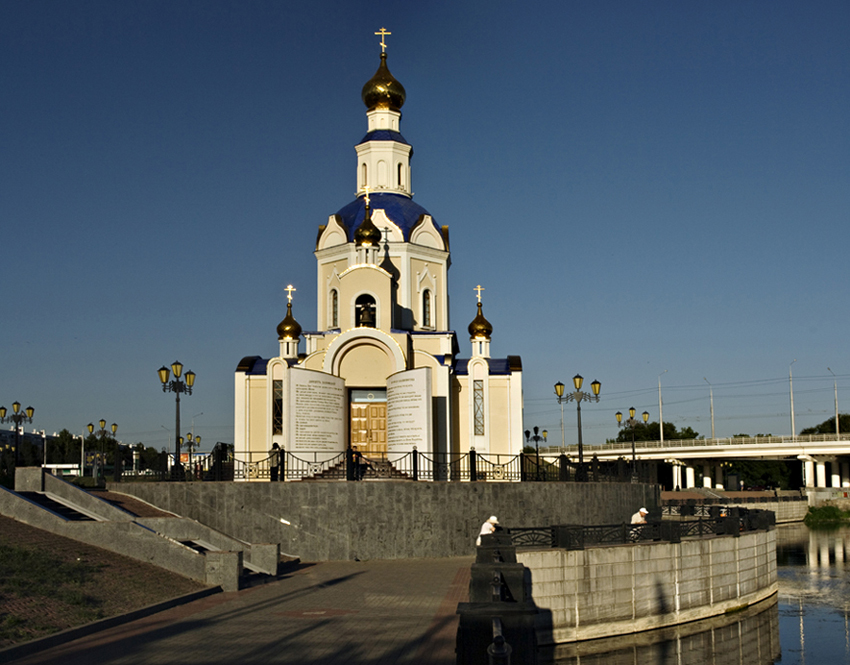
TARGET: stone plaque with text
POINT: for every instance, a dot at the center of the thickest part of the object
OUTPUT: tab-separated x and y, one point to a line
409	420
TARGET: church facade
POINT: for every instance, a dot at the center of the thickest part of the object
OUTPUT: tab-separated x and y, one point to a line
383	372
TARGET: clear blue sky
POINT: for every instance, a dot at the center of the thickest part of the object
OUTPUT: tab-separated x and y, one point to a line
639	186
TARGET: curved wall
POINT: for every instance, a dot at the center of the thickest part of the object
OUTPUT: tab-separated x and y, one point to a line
606	591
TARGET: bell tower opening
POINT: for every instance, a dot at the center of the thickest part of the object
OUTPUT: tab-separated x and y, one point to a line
364	311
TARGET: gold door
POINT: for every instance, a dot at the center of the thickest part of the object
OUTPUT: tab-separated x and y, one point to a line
369	427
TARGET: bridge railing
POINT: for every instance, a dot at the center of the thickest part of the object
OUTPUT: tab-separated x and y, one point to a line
700	443
718	521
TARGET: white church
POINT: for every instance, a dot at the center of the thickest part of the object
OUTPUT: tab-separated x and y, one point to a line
384	372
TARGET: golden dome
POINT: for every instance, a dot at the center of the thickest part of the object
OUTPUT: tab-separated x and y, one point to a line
480	327
289	327
382	91
367	233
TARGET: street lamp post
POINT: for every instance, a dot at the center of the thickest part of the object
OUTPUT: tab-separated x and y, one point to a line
537	438
192	442
835	385
710	403
17	417
577	396
101	434
632	423
177	386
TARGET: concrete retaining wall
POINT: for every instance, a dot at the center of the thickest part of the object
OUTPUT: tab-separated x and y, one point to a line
605	591
389	519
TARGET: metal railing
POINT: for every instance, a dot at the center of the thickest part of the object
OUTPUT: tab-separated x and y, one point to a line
472	466
788	441
717	521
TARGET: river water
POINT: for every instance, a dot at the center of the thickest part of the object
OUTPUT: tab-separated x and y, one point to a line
809	623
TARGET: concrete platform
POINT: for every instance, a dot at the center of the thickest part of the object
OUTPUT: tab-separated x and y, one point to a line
358	613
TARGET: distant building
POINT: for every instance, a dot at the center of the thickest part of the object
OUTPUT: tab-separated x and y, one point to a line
383	371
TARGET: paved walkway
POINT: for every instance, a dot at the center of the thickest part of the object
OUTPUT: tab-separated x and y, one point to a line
357	613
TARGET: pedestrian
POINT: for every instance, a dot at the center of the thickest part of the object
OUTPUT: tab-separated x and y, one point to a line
274	462
640	516
487	528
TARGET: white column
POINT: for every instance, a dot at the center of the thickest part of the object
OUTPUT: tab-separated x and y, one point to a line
809	468
718	477
836	477
689	477
845	474
821	474
677	476
706	476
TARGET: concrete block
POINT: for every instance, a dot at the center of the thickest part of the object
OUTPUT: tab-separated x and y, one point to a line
224	569
265	557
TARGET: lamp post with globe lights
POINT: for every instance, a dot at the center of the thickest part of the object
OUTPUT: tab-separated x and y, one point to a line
176	386
577	396
537	438
17	417
631	423
101	434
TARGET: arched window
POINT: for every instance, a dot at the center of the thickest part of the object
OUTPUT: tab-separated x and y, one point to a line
363	180
426	308
334	309
400	176
364	311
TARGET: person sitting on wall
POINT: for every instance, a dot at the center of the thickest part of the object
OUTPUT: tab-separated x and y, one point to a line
640	516
487	528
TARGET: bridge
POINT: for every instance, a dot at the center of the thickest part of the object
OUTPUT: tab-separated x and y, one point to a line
814	451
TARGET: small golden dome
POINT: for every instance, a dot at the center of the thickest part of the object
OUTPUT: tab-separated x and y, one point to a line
289	327
480	327
367	233
382	91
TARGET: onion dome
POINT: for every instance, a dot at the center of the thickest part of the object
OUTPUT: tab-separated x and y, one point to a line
382	91
289	327
480	327
367	234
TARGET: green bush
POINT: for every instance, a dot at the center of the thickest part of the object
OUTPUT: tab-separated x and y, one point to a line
826	515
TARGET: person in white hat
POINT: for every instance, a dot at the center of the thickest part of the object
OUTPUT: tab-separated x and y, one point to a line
487	528
640	516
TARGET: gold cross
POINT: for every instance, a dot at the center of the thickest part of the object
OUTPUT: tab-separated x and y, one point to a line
366	189
478	288
289	289
383	32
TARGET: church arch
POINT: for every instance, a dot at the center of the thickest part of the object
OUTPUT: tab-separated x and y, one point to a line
345	342
382	174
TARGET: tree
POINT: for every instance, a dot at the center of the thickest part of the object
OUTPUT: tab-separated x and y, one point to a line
828	426
652	432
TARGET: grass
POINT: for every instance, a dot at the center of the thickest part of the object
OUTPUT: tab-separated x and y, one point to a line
35	575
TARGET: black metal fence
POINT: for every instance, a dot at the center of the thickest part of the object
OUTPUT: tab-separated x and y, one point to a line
723	521
224	464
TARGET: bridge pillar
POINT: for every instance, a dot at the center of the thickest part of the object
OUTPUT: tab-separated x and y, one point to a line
809	473
718	477
821	474
845	474
689	477
836	477
706	476
677	476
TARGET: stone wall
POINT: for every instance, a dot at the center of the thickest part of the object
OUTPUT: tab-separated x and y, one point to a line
605	591
389	519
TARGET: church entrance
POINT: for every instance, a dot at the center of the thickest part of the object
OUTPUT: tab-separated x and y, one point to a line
369	420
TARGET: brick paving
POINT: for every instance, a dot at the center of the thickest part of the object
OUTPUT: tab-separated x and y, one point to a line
358	613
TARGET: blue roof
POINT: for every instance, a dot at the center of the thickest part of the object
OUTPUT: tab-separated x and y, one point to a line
402	211
497	366
384	135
